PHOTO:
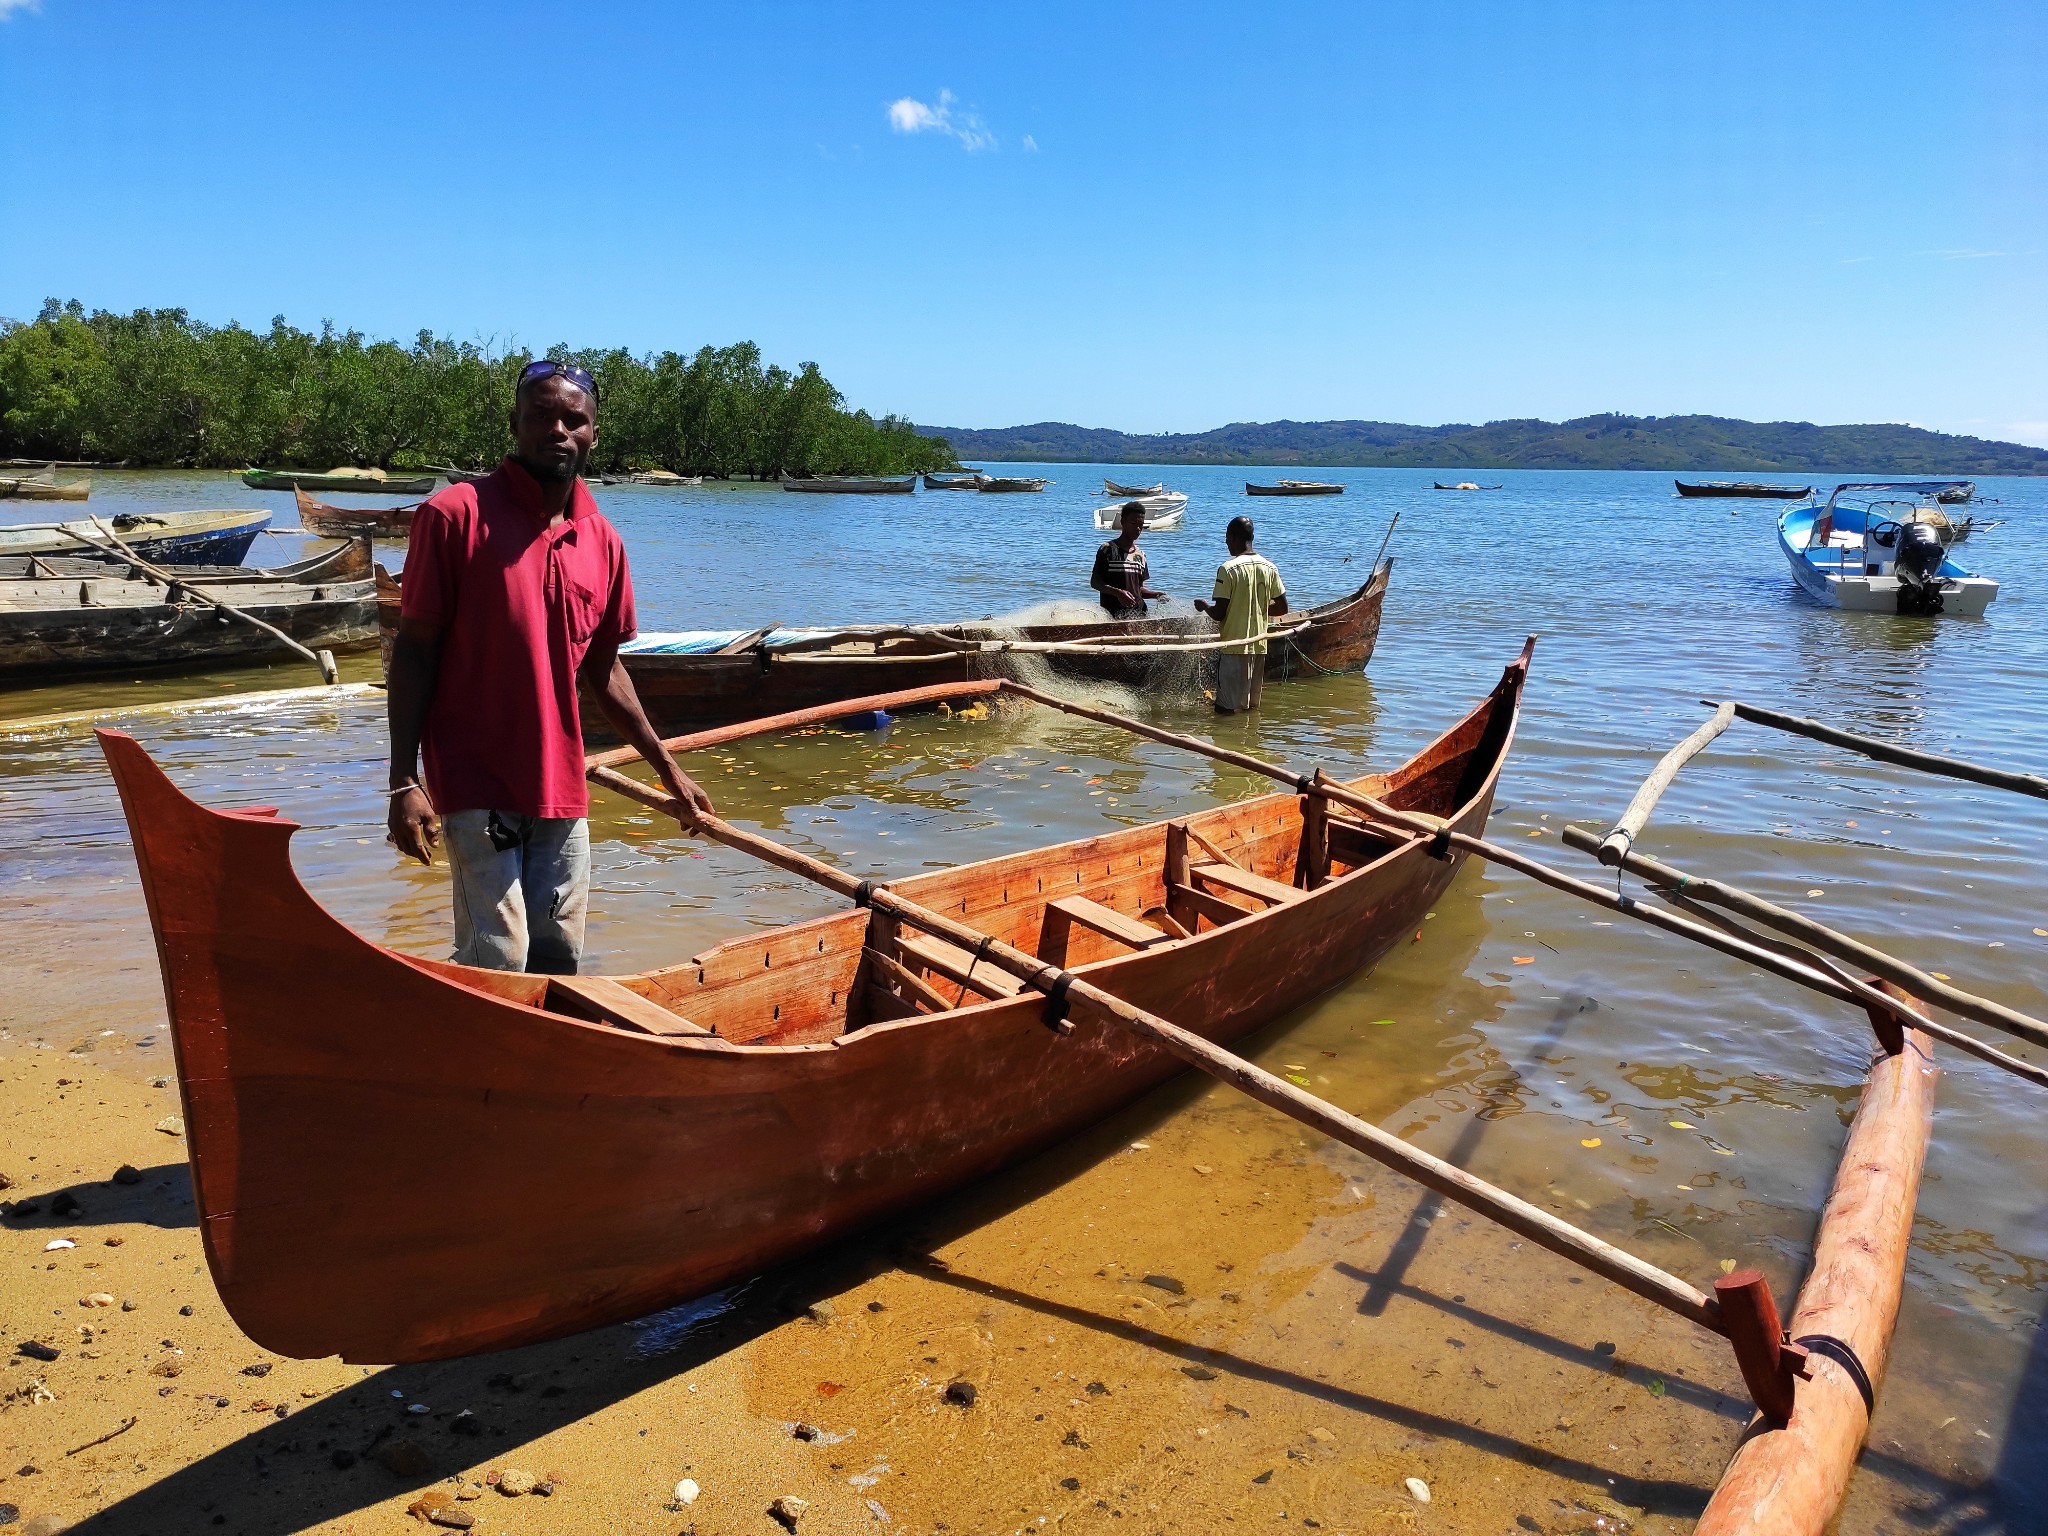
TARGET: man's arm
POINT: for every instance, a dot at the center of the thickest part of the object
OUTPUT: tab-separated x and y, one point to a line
1277	607
409	691
606	674
1099	577
1219	610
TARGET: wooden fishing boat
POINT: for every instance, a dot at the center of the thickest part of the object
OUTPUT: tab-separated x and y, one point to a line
615	1145
852	485
1749	488
43	487
1883	549
371	482
61	616
667	477
1111	488
1010	484
456	476
218	536
694	678
332	522
1294	488
1957	494
966	482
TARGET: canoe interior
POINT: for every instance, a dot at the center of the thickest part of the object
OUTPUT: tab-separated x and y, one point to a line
613	1145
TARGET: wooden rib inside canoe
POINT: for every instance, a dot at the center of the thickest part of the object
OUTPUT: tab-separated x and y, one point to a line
548	1157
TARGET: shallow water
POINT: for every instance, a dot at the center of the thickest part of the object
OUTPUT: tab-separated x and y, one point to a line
1516	1028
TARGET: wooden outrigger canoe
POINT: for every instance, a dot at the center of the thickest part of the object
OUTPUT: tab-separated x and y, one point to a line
371	482
1295	488
331	522
852	485
62	617
724	676
416	1160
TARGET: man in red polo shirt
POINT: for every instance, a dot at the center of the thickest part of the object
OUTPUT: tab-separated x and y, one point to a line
515	586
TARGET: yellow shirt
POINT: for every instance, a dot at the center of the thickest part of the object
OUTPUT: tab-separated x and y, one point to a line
1250	582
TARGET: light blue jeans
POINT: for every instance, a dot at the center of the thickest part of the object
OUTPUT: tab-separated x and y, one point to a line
521	897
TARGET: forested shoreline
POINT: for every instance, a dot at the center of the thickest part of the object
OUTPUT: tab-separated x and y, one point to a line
157	388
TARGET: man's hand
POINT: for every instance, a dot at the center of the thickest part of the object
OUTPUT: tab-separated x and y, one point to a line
415	830
689	794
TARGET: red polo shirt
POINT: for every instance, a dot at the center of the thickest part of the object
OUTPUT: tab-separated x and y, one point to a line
520	606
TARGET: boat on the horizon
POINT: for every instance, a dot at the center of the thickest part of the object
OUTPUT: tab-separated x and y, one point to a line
1006	484
1465	485
615	1145
1294	488
1111	488
1881	552
851	485
370	482
970	481
1750	488
214	536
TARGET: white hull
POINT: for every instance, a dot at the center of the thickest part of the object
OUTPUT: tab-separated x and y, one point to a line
1967	596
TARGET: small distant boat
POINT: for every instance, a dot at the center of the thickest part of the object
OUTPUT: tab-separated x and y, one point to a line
371	482
217	537
851	485
1005	484
666	477
456	476
1750	488
43	486
1881	552
61	616
1464	485
331	522
1111	488
1294	488
1955	495
966	482
1112	516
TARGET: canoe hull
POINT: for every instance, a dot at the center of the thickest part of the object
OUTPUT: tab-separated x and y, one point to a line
533	1175
1743	488
392	524
213	537
292	480
1292	490
44	490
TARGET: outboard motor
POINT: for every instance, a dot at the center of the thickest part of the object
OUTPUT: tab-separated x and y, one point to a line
1917	564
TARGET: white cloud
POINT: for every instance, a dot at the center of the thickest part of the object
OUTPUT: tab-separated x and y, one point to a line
1031	144
909	115
9	7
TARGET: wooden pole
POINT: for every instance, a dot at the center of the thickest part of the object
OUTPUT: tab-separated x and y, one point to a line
1790	1481
1630	827
324	660
1433	828
1531	1222
795	719
1914	980
1905	757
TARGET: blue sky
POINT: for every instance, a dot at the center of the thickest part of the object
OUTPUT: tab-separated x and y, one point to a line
1153	217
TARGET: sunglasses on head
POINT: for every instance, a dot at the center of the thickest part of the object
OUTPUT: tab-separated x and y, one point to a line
550	368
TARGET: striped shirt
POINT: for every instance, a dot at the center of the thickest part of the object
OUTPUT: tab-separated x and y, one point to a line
1117	567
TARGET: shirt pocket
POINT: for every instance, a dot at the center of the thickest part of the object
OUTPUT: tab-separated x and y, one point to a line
583	609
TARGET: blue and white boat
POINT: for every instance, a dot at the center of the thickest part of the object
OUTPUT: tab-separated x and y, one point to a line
1882	546
216	537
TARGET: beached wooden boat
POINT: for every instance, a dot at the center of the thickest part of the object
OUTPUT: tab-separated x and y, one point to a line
61	616
1009	484
615	1145
695	678
1111	488
1749	488
43	487
1294	488
332	522
852	485
217	536
966	482
371	482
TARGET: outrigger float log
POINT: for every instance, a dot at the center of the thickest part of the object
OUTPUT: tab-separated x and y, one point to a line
804	1077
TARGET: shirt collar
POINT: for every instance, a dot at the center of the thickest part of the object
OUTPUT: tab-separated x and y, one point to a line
526	493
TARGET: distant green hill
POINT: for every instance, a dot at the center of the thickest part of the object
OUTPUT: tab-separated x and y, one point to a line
1695	444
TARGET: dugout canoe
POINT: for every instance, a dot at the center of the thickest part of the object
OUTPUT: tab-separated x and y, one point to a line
1747	488
1114	488
851	485
331	522
998	485
371	482
43	487
214	536
555	1154
692	679
1295	488
967	482
63	617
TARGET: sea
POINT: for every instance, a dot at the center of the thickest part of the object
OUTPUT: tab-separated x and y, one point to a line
1672	1101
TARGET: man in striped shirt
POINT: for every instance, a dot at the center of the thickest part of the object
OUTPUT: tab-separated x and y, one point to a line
1121	570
